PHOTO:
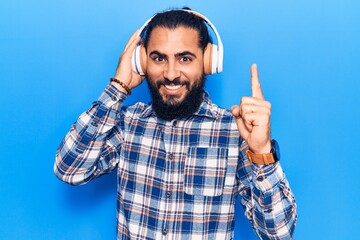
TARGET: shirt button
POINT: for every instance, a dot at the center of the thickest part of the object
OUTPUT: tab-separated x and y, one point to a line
269	210
260	178
113	98
94	123
171	155
164	231
168	194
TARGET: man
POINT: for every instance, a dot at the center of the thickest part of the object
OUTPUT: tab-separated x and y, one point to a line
182	160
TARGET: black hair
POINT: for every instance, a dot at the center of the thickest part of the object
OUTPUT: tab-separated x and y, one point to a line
178	18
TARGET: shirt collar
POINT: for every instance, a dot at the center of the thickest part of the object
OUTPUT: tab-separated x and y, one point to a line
205	109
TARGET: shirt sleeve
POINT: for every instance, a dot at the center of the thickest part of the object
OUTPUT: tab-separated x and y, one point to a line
267	199
85	152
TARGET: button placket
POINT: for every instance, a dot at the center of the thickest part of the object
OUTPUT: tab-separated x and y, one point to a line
165	228
170	141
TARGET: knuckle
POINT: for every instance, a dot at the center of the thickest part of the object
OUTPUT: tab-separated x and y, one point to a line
244	115
242	100
267	104
266	118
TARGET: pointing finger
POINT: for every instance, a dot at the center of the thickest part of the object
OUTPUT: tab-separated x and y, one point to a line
255	84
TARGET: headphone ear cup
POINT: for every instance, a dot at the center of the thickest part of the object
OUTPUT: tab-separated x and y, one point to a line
208	59
220	59
134	61
143	59
138	60
214	59
211	59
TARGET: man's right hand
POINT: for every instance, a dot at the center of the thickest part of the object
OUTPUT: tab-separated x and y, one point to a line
124	72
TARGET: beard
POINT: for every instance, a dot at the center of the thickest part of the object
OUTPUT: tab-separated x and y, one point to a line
171	108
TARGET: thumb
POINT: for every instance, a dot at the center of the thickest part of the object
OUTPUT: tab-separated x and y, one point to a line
243	130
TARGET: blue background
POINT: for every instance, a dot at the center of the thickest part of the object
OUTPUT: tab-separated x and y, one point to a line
56	58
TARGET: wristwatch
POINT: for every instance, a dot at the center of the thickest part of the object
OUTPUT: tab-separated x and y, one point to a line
266	158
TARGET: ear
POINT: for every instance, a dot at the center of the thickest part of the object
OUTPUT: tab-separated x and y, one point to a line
208	52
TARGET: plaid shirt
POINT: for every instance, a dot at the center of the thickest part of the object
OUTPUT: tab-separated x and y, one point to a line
176	179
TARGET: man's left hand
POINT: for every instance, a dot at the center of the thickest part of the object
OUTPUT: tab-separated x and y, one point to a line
253	117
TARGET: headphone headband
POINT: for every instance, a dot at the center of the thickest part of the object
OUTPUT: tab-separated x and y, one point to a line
216	55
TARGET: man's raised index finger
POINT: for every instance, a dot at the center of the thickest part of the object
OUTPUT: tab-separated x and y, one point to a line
255	84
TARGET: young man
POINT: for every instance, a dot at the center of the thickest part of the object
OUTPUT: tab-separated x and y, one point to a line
182	161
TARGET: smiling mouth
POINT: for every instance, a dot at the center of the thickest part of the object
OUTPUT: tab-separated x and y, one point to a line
173	86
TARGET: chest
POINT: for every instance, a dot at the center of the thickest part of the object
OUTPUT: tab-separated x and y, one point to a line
198	157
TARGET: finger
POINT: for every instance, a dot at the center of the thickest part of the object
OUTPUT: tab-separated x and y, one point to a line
235	110
255	101
243	129
133	39
256	119
248	122
247	108
255	84
244	119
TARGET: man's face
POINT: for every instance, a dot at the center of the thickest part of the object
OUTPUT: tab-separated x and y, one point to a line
175	62
175	67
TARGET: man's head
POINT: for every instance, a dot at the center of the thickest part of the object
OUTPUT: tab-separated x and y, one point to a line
175	42
178	18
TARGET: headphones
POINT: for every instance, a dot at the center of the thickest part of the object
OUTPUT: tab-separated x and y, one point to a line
213	54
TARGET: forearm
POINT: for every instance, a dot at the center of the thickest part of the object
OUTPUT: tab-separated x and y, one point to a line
85	153
274	212
267	199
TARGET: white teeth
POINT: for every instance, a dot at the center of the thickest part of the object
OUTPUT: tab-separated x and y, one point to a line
173	87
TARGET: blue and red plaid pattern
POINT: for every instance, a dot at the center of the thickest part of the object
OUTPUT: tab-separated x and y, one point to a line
177	179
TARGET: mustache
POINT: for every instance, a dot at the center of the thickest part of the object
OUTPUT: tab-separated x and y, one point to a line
175	82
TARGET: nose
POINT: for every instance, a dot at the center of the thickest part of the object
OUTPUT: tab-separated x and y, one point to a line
171	71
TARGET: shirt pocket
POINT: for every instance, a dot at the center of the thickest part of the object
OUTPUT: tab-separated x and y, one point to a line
205	170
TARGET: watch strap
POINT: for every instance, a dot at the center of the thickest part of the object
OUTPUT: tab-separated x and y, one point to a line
260	159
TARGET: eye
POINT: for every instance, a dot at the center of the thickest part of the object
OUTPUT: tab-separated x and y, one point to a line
186	59
159	59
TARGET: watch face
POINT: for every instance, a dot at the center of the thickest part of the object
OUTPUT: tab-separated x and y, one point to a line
275	150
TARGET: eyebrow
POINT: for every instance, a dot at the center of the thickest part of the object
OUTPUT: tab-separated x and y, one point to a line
184	54
181	54
157	53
